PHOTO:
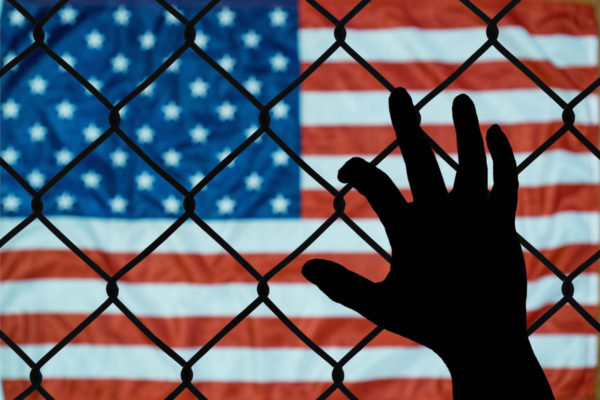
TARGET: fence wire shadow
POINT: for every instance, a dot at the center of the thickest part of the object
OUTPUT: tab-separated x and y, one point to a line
262	287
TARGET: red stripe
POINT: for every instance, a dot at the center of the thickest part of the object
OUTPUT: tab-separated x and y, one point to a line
426	76
544	200
40	264
566	384
77	389
252	331
222	268
538	17
194	332
413	389
344	140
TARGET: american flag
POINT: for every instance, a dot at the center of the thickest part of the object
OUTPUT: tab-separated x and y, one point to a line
113	204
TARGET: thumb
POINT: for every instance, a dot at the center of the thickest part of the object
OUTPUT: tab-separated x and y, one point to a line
342	285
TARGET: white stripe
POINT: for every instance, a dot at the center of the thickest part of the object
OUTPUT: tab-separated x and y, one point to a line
82	296
267	236
242	364
410	44
552	167
506	106
547	291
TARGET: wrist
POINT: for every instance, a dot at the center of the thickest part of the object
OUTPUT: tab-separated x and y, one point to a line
500	369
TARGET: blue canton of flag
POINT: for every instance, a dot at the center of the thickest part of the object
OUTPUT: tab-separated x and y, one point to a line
187	120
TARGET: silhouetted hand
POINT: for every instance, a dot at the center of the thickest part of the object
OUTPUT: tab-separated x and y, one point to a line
457	282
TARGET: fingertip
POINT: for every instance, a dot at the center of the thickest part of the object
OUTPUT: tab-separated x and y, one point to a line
322	272
338	283
500	149
402	110
462	100
400	101
506	180
494	131
496	139
349	169
310	269
463	108
399	95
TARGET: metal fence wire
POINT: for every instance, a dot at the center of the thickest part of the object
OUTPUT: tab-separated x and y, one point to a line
262	286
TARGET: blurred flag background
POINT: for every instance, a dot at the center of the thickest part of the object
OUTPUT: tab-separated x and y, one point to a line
113	204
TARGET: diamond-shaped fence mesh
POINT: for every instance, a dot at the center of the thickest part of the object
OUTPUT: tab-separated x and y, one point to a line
263	128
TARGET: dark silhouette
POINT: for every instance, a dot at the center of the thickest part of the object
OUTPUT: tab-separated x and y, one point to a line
457	282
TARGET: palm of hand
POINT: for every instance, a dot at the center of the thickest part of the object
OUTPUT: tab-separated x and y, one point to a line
457	267
457	272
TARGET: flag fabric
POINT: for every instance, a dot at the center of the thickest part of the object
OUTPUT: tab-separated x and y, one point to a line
113	204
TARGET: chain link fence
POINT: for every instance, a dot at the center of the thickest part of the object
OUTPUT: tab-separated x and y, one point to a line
262	281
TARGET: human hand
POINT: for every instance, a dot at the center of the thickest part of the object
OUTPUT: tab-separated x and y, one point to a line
457	281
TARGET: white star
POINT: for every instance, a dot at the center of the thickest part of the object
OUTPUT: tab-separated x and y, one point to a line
11	203
36	179
171	157
279	157
253	181
10	155
149	91
250	131
171	205
171	111
279	204
226	111
170	19
37	85
144	181
121	16
196	178
253	85
223	154
37	132
145	134
225	205
201	39
147	40
91	132
118	204
10	109
16	18
91	179
8	58
280	110
251	39
69	59
199	134
120	63
95	83
65	202
278	17
227	62
65	109
199	87
67	15
278	62
118	158
63	156
226	16
94	39
174	68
